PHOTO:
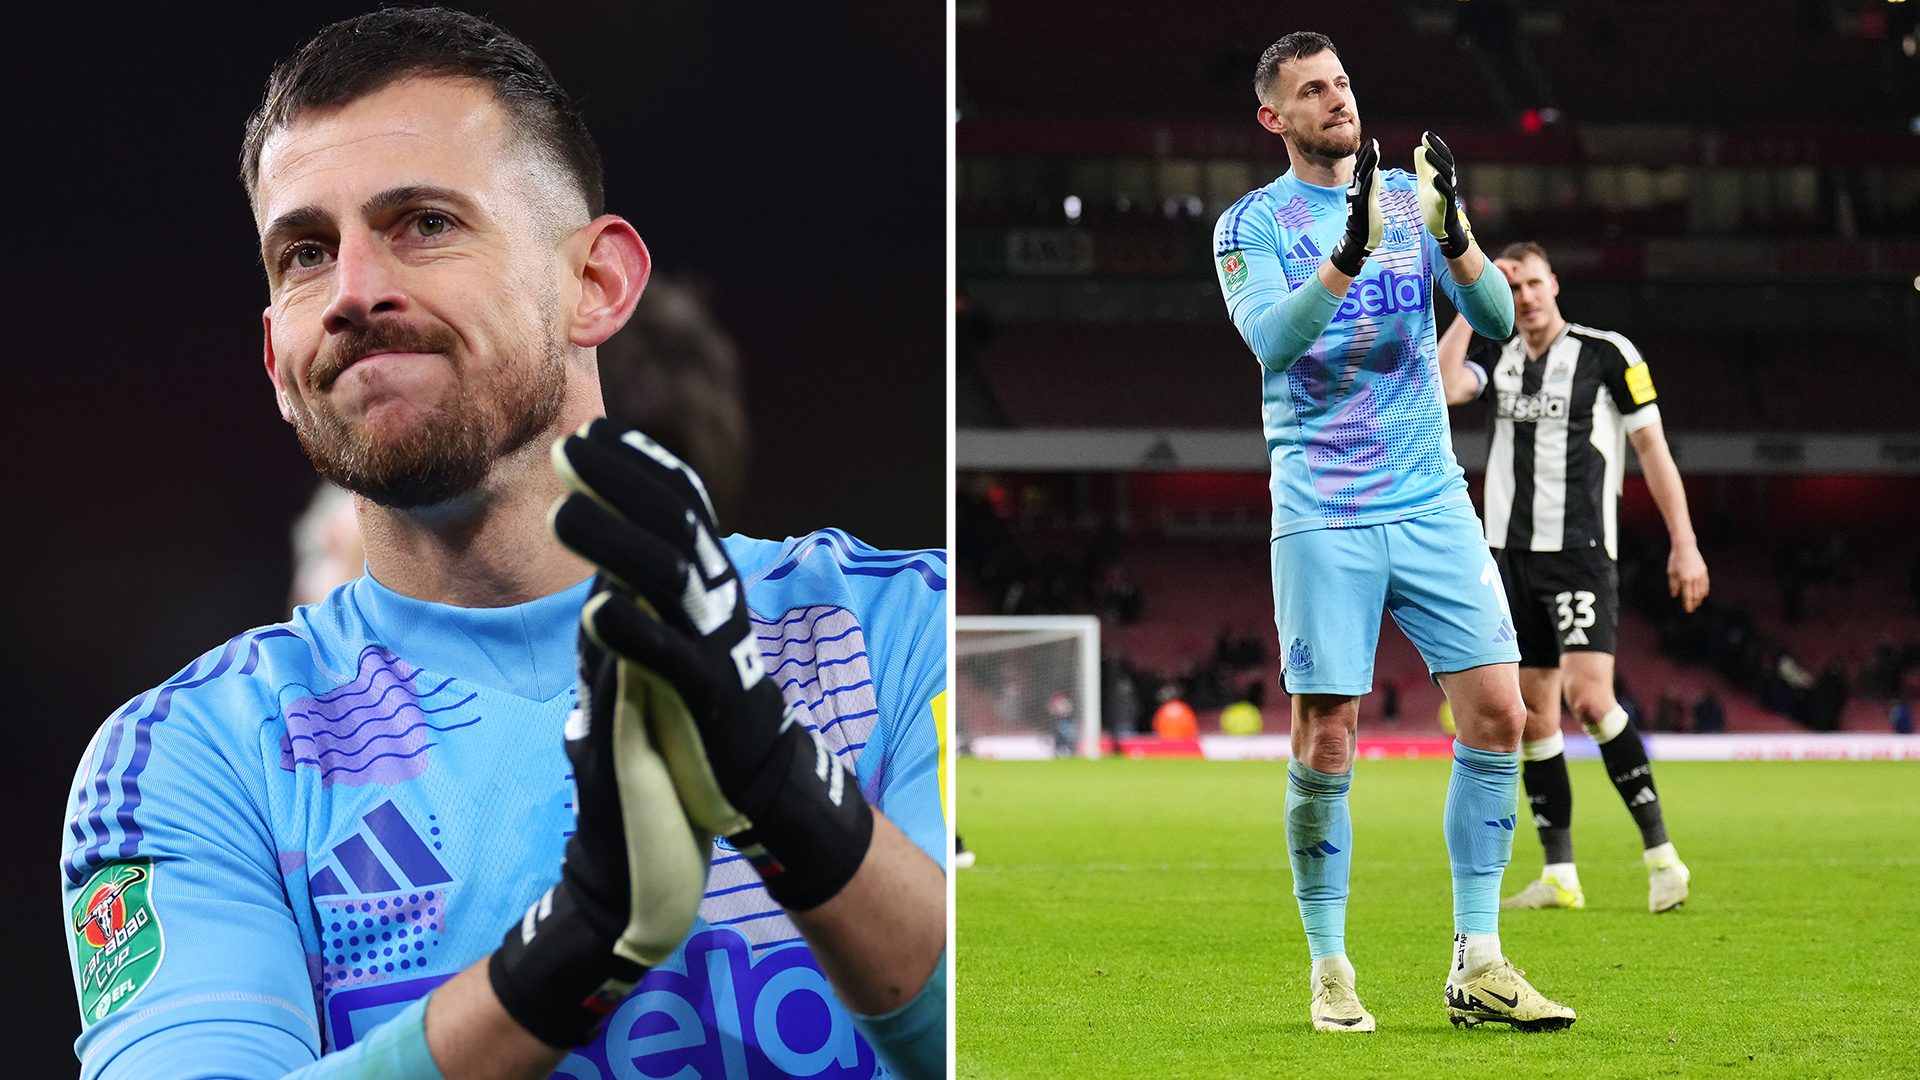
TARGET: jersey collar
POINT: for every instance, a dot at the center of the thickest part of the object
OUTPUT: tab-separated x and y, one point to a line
526	650
1525	354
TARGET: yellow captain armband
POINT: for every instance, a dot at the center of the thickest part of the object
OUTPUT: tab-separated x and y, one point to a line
939	707
1640	384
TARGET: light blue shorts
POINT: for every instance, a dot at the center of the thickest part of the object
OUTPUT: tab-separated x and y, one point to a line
1435	575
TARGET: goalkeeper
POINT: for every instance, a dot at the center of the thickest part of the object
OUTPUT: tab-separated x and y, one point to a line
1328	274
440	824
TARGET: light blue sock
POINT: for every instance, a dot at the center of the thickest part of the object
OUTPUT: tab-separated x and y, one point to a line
1320	834
1479	822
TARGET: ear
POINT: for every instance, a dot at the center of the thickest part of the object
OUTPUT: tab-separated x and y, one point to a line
273	369
1271	120
1554	281
610	264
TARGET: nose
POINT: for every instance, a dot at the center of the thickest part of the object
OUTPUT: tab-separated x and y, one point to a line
364	283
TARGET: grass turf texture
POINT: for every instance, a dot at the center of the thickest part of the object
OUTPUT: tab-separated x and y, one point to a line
1136	918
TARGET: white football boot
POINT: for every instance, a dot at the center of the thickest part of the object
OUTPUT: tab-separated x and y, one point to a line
1336	1006
1545	892
1667	879
1497	993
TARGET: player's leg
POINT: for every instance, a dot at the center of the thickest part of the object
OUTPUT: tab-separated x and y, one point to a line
1319	828
1327	597
1543	772
1446	593
1543	761
1488	717
1482	985
1320	844
1589	682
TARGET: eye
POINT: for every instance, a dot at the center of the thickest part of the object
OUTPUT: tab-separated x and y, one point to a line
304	256
432	223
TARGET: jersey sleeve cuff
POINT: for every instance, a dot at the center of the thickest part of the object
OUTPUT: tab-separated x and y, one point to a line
912	1039
1479	375
1641	417
394	1050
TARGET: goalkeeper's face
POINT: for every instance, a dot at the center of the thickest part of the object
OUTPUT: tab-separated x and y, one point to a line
413	247
1313	102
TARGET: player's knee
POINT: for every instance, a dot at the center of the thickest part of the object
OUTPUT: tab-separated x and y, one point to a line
1590	702
1330	751
1508	714
1327	747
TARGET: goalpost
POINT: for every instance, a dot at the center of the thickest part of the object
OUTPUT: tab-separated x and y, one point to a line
1027	686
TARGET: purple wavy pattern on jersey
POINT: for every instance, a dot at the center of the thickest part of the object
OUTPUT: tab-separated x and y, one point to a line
818	657
858	559
374	730
1296	214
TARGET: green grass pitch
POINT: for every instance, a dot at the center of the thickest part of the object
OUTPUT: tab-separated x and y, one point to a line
1136	918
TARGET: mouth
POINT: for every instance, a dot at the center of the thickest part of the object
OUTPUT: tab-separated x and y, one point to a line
377	360
385	356
1340	122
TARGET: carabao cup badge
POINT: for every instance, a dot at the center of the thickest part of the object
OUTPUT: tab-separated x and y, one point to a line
1233	267
116	936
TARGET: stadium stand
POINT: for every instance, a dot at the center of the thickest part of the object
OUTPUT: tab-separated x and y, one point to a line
1076	375
1198	563
1198	59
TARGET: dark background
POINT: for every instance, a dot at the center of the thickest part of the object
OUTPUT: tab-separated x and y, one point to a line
789	160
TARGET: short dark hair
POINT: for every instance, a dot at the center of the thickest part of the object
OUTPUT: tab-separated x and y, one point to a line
1295	46
365	54
672	372
1523	249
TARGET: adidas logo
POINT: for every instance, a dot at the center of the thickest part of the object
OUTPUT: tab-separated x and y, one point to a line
1646	796
1304	249
1504	823
1506	630
405	852
1578	637
1318	851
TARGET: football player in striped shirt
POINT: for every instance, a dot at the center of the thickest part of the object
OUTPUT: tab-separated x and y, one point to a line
1567	400
1328	273
418	830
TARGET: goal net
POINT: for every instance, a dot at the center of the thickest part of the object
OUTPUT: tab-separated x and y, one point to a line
1027	686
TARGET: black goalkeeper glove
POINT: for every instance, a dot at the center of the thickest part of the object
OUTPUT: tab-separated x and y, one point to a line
1439	207
746	767
634	875
1366	218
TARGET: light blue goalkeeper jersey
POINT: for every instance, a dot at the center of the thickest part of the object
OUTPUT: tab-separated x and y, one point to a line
317	823
1356	423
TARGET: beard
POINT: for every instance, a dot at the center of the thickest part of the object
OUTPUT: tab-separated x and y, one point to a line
450	450
1322	144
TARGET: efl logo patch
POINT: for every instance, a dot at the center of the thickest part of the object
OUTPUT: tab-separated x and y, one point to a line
117	938
1233	269
1640	384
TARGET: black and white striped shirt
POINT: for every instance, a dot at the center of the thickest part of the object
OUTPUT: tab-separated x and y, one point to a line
1558	456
